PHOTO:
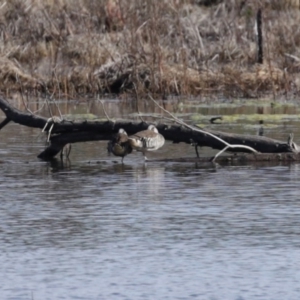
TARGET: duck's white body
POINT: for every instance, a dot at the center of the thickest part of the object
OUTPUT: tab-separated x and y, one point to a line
147	140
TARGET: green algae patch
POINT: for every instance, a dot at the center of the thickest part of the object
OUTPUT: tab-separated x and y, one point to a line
77	117
234	103
247	118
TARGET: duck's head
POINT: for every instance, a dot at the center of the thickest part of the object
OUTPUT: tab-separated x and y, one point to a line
122	131
152	128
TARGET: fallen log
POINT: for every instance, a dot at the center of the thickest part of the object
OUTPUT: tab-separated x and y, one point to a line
62	132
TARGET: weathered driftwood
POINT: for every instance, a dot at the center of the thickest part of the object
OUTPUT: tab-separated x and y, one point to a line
64	132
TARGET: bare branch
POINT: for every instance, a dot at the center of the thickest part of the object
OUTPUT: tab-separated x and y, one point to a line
137	103
205	132
106	114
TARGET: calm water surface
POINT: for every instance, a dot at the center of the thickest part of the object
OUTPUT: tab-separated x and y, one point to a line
91	228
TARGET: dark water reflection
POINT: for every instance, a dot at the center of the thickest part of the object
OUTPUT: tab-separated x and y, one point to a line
94	229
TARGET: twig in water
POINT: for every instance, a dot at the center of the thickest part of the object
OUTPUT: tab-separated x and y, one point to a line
196	147
54	119
294	148
106	114
232	147
59	95
137	103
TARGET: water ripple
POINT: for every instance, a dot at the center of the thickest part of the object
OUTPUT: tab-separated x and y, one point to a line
174	231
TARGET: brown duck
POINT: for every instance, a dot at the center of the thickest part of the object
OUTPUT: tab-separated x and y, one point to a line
119	145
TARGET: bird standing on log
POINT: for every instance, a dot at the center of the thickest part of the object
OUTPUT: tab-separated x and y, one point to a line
119	145
147	140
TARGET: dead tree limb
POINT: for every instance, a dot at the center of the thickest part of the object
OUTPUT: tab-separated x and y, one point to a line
65	132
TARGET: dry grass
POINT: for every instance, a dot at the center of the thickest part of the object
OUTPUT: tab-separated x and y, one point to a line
165	47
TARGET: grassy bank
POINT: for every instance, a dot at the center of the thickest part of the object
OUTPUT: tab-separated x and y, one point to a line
76	47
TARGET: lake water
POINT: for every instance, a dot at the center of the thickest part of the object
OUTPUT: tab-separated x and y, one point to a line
91	228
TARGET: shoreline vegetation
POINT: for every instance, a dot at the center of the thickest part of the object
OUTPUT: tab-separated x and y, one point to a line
72	48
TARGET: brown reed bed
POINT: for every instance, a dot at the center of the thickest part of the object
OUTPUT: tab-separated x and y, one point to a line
167	47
